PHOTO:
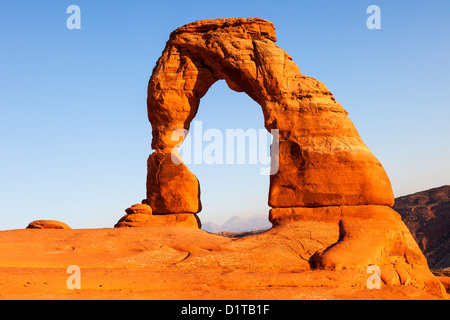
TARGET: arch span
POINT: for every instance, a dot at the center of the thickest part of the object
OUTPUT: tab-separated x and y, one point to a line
322	159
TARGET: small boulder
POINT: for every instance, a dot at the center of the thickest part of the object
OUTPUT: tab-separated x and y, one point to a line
139	209
47	224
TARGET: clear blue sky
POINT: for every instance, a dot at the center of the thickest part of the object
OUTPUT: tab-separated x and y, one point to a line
73	121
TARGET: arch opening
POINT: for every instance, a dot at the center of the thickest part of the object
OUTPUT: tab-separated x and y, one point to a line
228	150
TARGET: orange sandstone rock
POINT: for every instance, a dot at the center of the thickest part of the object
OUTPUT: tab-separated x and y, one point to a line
141	215
139	208
370	235
146	220
352	236
47	224
322	159
171	187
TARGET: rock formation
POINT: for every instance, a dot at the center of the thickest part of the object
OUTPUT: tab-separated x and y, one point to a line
322	159
330	196
47	224
427	216
141	215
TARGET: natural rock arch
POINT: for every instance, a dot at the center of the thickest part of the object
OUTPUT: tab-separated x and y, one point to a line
331	197
322	159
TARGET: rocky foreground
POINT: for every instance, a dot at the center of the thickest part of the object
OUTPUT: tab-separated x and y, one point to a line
181	263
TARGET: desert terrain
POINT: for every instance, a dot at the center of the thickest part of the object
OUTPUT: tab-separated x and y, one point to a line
174	263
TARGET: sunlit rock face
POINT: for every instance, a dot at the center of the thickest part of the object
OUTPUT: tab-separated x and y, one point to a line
322	159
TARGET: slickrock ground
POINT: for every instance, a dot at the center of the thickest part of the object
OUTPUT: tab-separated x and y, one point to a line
175	263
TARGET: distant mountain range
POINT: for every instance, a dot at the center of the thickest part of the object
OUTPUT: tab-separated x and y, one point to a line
425	213
238	224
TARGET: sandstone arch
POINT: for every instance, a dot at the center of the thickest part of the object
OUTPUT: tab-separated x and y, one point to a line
336	168
330	196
